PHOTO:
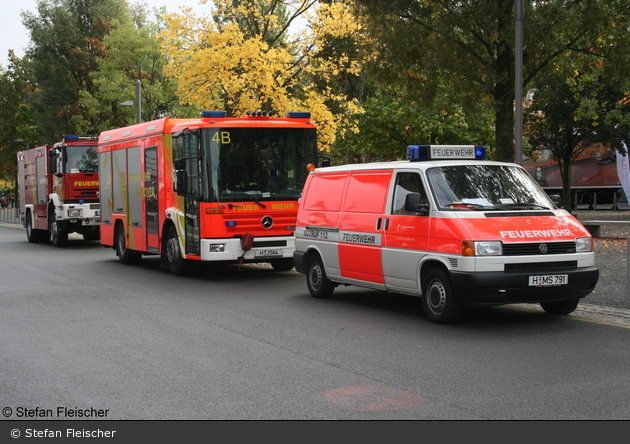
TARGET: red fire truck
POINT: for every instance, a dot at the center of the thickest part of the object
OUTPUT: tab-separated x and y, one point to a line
214	188
58	189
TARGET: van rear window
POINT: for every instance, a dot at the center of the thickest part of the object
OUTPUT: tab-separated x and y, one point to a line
367	192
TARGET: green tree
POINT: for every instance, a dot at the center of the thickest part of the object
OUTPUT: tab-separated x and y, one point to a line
66	44
469	44
132	51
17	120
580	103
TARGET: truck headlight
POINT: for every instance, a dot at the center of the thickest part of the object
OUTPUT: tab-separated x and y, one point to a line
584	244
482	248
75	212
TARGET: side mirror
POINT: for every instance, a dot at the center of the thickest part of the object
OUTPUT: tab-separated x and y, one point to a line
181	183
413	202
557	200
52	162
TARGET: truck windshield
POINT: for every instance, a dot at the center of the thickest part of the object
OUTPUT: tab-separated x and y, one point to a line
81	159
255	164
486	187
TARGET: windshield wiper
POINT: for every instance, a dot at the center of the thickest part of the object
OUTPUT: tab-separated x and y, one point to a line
524	206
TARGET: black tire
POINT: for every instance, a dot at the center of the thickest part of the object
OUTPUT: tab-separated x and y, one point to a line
32	235
59	237
438	299
176	263
285	264
125	255
316	280
560	307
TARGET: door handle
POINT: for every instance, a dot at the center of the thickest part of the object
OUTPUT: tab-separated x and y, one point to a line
379	221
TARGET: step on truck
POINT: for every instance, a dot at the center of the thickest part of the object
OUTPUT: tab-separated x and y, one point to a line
58	190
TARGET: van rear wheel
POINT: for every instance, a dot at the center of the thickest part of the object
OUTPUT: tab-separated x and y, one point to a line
438	299
560	307
316	280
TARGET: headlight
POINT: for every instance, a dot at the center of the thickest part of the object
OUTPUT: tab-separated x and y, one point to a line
584	244
75	212
482	248
217	248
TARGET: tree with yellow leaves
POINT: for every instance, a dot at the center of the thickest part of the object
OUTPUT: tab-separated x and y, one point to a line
245	57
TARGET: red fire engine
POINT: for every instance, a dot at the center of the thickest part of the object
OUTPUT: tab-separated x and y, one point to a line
214	188
58	188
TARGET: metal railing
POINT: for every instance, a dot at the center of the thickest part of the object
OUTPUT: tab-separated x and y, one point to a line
9	216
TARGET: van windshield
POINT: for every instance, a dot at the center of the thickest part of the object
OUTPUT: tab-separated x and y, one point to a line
486	187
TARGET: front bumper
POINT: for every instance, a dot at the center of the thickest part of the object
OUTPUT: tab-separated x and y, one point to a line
490	288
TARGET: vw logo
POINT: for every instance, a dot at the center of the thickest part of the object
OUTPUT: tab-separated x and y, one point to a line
267	222
543	248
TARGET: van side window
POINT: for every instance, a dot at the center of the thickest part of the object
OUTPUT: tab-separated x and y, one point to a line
407	183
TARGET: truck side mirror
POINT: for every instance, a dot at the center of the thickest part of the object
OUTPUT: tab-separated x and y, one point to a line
413	202
52	163
182	185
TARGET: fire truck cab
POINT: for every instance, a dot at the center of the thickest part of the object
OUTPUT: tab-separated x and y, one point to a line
445	225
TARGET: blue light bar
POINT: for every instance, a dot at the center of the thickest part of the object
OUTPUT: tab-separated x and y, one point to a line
298	115
203	114
70	137
417	153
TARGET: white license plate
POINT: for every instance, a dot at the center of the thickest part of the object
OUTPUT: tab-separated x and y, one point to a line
548	280
269	252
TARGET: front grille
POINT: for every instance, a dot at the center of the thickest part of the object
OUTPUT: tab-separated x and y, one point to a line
541	266
533	248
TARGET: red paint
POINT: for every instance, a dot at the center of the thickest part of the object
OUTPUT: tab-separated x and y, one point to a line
373	398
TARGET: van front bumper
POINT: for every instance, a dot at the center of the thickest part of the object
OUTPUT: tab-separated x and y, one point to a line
490	288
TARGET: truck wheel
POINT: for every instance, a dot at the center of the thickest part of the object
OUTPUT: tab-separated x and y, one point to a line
285	264
560	307
59	237
126	256
316	280
32	235
176	263
438	300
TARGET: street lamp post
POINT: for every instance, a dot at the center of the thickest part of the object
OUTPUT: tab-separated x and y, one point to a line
518	79
137	102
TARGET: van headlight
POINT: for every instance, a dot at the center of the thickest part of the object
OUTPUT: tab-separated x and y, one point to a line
482	248
584	244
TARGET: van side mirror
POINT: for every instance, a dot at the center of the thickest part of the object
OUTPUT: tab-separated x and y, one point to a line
557	200
413	202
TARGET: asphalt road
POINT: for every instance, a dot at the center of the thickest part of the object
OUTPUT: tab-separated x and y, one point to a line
81	332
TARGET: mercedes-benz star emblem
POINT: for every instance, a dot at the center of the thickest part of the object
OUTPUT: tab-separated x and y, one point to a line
543	248
267	222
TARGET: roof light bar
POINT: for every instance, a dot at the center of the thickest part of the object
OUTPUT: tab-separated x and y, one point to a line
298	115
417	153
203	114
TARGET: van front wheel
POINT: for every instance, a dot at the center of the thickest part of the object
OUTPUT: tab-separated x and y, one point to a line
438	300
318	283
